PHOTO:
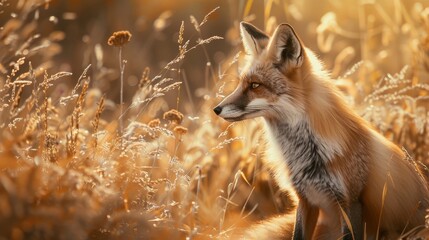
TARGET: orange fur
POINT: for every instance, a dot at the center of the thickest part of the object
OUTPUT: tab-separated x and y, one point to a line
275	228
406	192
297	98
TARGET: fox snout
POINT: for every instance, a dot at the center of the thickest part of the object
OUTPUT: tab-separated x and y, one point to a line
238	107
233	107
217	110
228	111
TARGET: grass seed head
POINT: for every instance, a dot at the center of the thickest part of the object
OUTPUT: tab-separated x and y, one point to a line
144	80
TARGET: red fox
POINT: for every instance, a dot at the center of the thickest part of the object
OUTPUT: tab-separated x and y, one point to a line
351	182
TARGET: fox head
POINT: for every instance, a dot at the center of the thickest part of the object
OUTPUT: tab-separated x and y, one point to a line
271	84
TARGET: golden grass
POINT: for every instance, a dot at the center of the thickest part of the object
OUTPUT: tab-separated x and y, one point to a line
182	173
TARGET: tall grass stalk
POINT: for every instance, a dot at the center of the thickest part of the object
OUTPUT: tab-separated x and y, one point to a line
119	39
121	97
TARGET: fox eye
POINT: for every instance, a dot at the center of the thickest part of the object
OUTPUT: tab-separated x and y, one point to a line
254	85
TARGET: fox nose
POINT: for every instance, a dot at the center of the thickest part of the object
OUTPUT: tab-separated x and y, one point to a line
217	110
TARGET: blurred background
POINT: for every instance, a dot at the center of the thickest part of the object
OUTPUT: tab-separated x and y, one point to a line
387	35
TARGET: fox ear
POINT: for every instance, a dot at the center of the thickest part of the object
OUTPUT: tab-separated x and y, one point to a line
254	40
286	48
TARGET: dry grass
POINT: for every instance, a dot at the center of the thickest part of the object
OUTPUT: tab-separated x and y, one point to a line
182	173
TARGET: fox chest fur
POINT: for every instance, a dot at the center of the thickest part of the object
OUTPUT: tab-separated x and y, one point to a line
309	162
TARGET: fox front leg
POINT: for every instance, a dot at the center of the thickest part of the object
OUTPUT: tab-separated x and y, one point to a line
306	219
354	213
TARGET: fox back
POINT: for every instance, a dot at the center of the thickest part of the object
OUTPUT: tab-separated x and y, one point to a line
350	180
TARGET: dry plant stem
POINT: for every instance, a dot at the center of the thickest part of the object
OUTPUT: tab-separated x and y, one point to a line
155	157
363	41
178	89
198	188
121	100
223	216
188	92
177	142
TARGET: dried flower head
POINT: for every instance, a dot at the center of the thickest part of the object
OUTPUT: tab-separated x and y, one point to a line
154	123
173	116
180	130
119	38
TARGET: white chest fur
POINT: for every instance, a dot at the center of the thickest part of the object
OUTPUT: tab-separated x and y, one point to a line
300	159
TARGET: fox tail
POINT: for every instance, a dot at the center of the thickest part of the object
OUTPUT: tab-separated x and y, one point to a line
275	228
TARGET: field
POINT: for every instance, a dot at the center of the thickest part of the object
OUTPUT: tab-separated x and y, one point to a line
112	136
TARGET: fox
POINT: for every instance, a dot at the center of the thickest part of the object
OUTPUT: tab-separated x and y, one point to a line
350	181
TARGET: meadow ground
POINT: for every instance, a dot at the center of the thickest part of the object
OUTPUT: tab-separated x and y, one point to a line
75	163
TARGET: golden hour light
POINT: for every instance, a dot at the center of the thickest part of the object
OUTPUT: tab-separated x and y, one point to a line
214	119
